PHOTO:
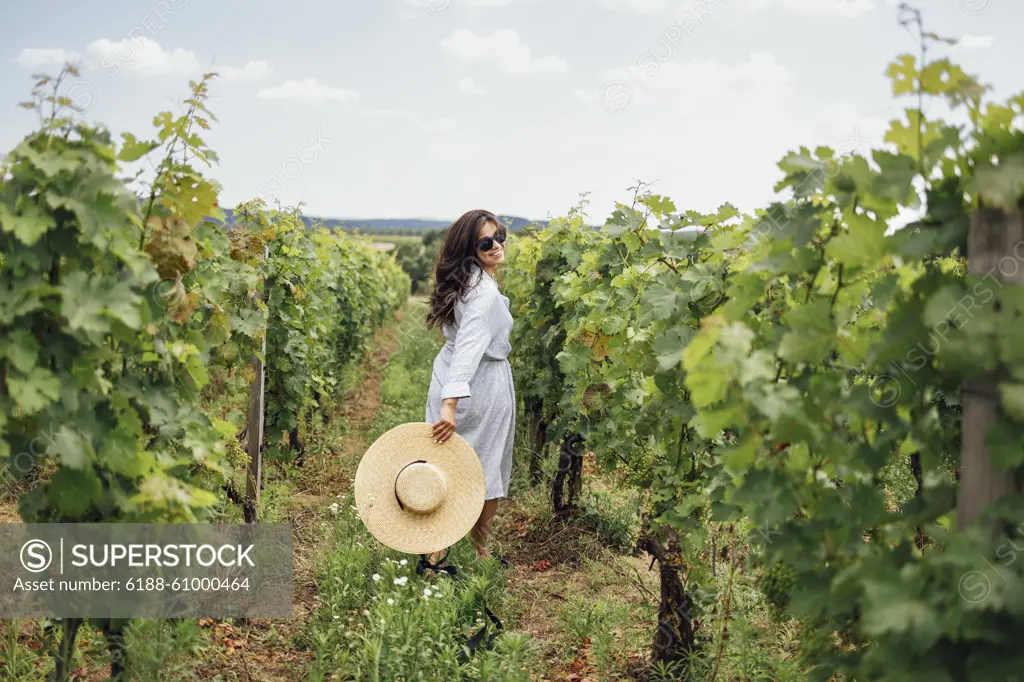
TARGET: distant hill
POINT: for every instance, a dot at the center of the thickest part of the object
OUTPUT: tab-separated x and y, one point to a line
420	225
393	225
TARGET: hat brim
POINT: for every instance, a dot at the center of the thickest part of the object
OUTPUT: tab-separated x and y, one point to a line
407	531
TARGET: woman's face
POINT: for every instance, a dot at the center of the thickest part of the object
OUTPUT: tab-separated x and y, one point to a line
497	253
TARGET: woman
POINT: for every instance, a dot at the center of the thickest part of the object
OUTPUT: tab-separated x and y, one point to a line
471	390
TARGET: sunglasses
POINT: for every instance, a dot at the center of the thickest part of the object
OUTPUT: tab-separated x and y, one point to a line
487	243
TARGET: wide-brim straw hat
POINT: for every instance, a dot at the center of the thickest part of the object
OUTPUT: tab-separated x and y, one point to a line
417	496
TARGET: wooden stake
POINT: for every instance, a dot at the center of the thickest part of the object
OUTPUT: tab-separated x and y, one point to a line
254	473
992	243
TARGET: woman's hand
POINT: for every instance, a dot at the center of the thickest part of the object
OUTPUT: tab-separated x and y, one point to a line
445	426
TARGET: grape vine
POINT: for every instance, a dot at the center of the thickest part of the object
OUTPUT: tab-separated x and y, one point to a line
771	369
118	295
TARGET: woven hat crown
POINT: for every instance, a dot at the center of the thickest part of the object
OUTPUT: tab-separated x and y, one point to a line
420	487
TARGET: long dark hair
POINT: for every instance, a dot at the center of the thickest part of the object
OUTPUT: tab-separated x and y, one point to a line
454	269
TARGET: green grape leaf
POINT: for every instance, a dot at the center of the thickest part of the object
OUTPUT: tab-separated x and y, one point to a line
661	300
707	386
710	423
134	149
863	245
32	224
741	457
91	303
21	348
87	491
890	610
249	322
51	161
941	76
897	172
1005	449
903	74
34	391
812	334
671	346
218	329
73	448
1012	399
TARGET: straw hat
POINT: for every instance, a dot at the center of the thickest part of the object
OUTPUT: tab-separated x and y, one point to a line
418	496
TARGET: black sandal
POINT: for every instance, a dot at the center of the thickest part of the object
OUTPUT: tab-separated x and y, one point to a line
424	565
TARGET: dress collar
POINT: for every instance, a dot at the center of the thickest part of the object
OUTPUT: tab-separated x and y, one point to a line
480	275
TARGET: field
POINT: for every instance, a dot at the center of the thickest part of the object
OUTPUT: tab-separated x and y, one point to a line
387	242
778	445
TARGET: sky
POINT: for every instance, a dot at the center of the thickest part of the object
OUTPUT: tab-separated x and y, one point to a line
429	108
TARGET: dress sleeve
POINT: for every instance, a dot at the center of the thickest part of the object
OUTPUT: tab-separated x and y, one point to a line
471	340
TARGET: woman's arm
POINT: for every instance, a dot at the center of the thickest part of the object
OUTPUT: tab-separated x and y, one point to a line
471	340
445	426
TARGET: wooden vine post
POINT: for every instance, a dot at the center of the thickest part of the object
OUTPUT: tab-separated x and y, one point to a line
994	239
254	473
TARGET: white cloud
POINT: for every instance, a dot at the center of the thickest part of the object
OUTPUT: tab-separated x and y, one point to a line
975	41
140	55
308	91
638	6
437	7
470	86
253	70
439	125
847	131
387	113
708	80
846	8
143	56
34	58
503	49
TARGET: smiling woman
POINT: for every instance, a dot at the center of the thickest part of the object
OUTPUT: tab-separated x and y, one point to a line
471	390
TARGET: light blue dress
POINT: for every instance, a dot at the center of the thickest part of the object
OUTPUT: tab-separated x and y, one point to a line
473	366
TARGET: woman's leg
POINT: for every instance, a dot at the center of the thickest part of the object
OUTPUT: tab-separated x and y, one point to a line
483	527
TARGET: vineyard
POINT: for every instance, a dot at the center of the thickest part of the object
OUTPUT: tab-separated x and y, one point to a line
125	313
767	379
808	407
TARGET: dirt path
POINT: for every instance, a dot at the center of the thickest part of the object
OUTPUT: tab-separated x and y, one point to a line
587	609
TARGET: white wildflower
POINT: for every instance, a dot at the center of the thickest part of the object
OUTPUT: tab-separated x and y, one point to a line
376	577
391	602
403	562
